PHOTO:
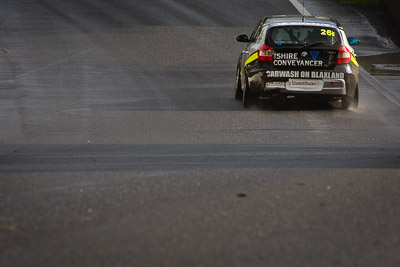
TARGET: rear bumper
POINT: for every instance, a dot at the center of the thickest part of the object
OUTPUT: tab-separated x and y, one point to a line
270	82
307	86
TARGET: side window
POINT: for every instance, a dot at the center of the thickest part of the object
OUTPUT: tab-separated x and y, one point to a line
256	32
260	34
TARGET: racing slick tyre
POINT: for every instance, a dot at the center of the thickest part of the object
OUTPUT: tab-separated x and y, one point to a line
248	99
350	102
238	86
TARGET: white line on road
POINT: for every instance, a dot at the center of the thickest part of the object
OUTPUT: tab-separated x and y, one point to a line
300	7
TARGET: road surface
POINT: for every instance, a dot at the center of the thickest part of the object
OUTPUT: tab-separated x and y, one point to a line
122	145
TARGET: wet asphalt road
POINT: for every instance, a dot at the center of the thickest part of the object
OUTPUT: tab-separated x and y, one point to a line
122	145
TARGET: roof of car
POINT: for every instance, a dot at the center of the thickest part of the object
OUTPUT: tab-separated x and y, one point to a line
300	19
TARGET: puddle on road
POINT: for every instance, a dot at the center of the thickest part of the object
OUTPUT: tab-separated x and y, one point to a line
381	65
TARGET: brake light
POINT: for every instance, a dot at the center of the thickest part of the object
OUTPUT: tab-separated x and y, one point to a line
344	55
265	53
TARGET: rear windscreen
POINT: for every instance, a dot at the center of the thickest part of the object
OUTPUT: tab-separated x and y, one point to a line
300	35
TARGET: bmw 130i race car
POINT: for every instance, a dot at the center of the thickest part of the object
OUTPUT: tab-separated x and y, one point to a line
295	56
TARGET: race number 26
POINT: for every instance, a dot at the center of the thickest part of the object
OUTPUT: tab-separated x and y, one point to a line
327	32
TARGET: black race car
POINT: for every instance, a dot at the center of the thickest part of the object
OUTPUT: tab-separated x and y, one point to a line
295	56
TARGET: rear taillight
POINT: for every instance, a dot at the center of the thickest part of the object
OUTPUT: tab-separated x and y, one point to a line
344	55
266	53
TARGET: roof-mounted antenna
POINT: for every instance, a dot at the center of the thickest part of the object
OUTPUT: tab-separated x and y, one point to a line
303	9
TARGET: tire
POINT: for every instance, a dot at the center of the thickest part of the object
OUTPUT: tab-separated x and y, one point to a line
355	99
350	102
346	102
248	99
238	86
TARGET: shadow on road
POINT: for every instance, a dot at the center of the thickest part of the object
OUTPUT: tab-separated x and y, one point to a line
298	105
175	157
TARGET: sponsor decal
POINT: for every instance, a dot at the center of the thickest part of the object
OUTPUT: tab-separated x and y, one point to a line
282	74
304	83
314	54
327	75
286	56
275	84
292	60
298	63
304	74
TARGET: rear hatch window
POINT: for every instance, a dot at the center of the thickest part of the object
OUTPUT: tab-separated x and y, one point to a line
304	46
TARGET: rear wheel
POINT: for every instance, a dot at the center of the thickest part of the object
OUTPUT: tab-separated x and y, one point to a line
355	100
238	86
248	99
350	102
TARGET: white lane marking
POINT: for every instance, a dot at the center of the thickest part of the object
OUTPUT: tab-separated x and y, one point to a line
299	6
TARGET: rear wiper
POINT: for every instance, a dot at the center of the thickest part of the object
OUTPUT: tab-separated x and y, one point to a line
312	45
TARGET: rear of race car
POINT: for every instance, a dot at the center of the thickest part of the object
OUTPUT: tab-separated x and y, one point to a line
303	60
